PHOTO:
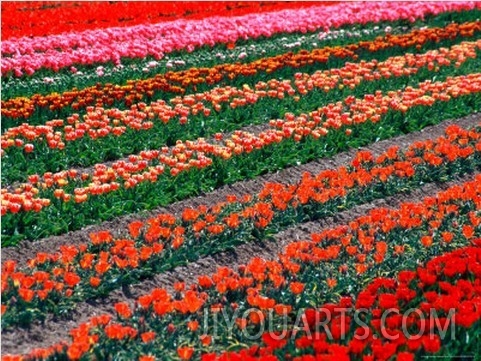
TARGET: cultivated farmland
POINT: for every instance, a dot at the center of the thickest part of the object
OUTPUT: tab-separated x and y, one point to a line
241	180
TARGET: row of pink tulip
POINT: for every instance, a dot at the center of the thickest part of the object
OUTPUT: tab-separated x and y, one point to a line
27	55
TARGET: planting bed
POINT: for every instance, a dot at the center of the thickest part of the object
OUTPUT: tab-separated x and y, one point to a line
241	181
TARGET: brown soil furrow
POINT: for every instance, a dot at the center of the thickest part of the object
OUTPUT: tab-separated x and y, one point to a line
27	249
55	330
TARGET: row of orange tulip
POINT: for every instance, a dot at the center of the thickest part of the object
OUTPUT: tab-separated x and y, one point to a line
199	154
100	122
282	286
74	271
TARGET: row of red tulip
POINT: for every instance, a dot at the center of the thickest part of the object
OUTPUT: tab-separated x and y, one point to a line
408	311
21	19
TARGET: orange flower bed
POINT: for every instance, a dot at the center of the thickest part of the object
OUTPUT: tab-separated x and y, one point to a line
189	156
99	122
262	288
145	243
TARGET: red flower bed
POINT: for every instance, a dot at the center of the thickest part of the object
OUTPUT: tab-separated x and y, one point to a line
405	316
36	18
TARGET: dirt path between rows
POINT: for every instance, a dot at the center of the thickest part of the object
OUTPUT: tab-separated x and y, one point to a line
26	250
55	330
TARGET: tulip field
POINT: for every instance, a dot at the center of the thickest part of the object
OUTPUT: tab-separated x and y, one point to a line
241	181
